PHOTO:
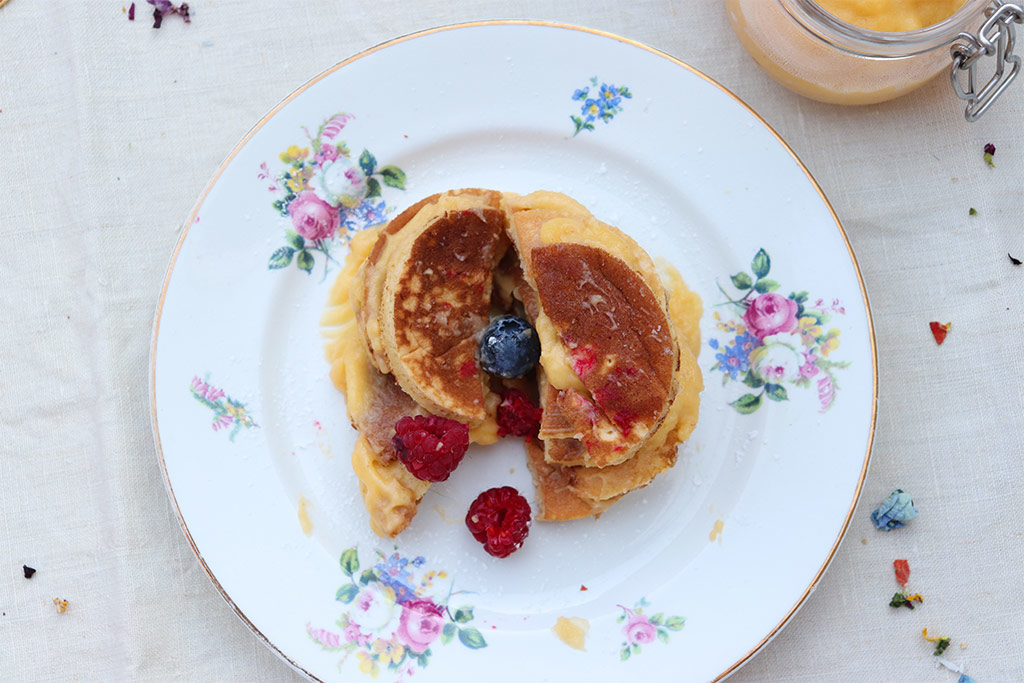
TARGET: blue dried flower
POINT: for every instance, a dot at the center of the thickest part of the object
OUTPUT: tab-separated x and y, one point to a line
896	511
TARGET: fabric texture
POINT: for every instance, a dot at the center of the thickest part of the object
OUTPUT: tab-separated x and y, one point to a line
109	130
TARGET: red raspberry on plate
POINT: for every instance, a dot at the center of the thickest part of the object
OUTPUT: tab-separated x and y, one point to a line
430	447
517	415
500	519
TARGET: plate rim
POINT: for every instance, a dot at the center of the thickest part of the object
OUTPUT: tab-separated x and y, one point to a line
190	220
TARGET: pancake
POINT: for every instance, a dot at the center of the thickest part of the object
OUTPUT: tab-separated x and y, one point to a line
367	287
617	381
436	303
561	472
608	349
366	293
429	292
556	502
656	455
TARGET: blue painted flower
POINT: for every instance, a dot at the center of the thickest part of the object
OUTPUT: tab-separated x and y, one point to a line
592	109
747	341
602	102
713	343
369	212
735	358
395	567
609	95
394	572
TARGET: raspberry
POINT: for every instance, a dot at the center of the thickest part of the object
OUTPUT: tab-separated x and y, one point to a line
500	519
430	447
517	415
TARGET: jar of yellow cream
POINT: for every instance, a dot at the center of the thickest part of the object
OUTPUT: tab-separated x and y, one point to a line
867	51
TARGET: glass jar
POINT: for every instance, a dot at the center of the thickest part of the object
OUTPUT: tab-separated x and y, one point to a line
822	57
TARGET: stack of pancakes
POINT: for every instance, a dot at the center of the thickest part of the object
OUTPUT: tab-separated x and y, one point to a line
618	382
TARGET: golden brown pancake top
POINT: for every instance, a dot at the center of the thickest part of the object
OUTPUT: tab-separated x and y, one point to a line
618	338
396	224
443	299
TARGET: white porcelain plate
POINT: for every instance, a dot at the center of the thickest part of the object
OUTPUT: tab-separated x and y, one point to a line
690	575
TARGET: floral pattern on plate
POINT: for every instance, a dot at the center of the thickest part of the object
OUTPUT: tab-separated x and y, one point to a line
601	105
639	629
774	340
397	610
227	412
327	194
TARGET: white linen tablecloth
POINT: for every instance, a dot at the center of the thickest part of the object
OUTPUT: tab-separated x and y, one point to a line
109	130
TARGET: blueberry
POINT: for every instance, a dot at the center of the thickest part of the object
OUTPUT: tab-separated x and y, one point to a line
509	347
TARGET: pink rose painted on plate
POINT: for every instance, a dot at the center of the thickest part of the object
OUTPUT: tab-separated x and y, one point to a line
769	314
774	343
312	217
420	624
641	629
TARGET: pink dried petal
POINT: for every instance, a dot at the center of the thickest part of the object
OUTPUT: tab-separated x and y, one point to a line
902	568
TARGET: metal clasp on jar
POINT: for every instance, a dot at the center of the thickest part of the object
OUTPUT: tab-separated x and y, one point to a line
995	39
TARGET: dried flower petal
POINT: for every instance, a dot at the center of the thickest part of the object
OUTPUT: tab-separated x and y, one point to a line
940	643
162	7
901	599
894	512
939	331
61	605
131	12
990	151
972	211
29	571
902	568
964	678
1015	261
